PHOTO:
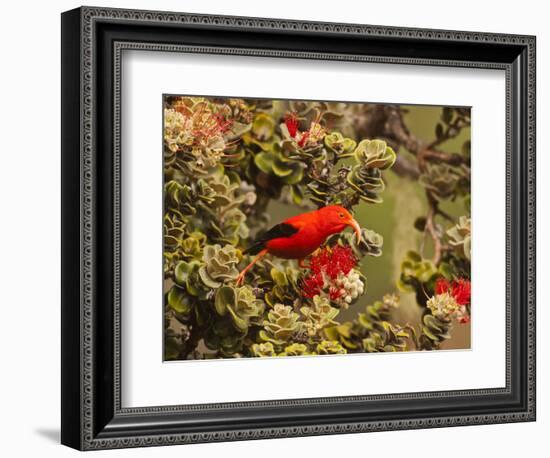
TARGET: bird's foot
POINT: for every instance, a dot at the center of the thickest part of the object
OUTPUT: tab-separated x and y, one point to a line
240	278
302	264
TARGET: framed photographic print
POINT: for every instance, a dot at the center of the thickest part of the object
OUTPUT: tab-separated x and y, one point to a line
277	228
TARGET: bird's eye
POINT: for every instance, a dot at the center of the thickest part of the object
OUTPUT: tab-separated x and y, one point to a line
341	215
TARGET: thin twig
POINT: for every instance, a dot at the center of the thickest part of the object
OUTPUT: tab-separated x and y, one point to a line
430	227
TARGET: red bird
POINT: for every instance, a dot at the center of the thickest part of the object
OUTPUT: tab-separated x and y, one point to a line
301	235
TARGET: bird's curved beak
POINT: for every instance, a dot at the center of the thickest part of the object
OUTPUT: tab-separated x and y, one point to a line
355	225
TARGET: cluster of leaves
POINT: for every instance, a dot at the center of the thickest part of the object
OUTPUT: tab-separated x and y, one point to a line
224	161
304	157
446	178
373	331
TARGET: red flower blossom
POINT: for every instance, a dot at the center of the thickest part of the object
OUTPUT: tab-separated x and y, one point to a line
335	293
459	289
465	319
442	285
303	140
223	125
291	121
328	264
312	285
333	261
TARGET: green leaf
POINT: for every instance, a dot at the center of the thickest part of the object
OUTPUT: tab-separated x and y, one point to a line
446	270
426	331
269	299
389	159
206	278
297	195
340	145
183	270
295	177
171	349
402	286
344	330
191	288
332	333
179	300
364	321
315	190
333	138
413	256
225	297
349	344
279	277
433	323
264	336
263	126
239	128
264	161
281	168
349	145
427	271
240	323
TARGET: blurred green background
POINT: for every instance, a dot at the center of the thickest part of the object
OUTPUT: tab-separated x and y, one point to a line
404	201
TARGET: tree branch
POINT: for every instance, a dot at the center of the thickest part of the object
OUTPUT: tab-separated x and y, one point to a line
387	122
430	228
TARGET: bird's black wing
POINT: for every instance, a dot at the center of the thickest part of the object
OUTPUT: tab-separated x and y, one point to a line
279	231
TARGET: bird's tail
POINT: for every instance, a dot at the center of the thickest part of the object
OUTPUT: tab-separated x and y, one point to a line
255	248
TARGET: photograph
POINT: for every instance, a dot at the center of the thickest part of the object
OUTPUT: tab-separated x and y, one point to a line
314	227
274	229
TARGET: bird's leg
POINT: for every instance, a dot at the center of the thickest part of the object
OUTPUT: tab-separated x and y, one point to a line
316	252
302	264
240	278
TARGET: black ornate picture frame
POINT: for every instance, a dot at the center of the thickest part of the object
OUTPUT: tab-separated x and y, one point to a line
92	42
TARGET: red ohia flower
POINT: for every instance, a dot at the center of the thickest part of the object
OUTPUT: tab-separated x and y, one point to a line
222	124
459	289
442	285
313	285
325	267
303	140
465	319
291	122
